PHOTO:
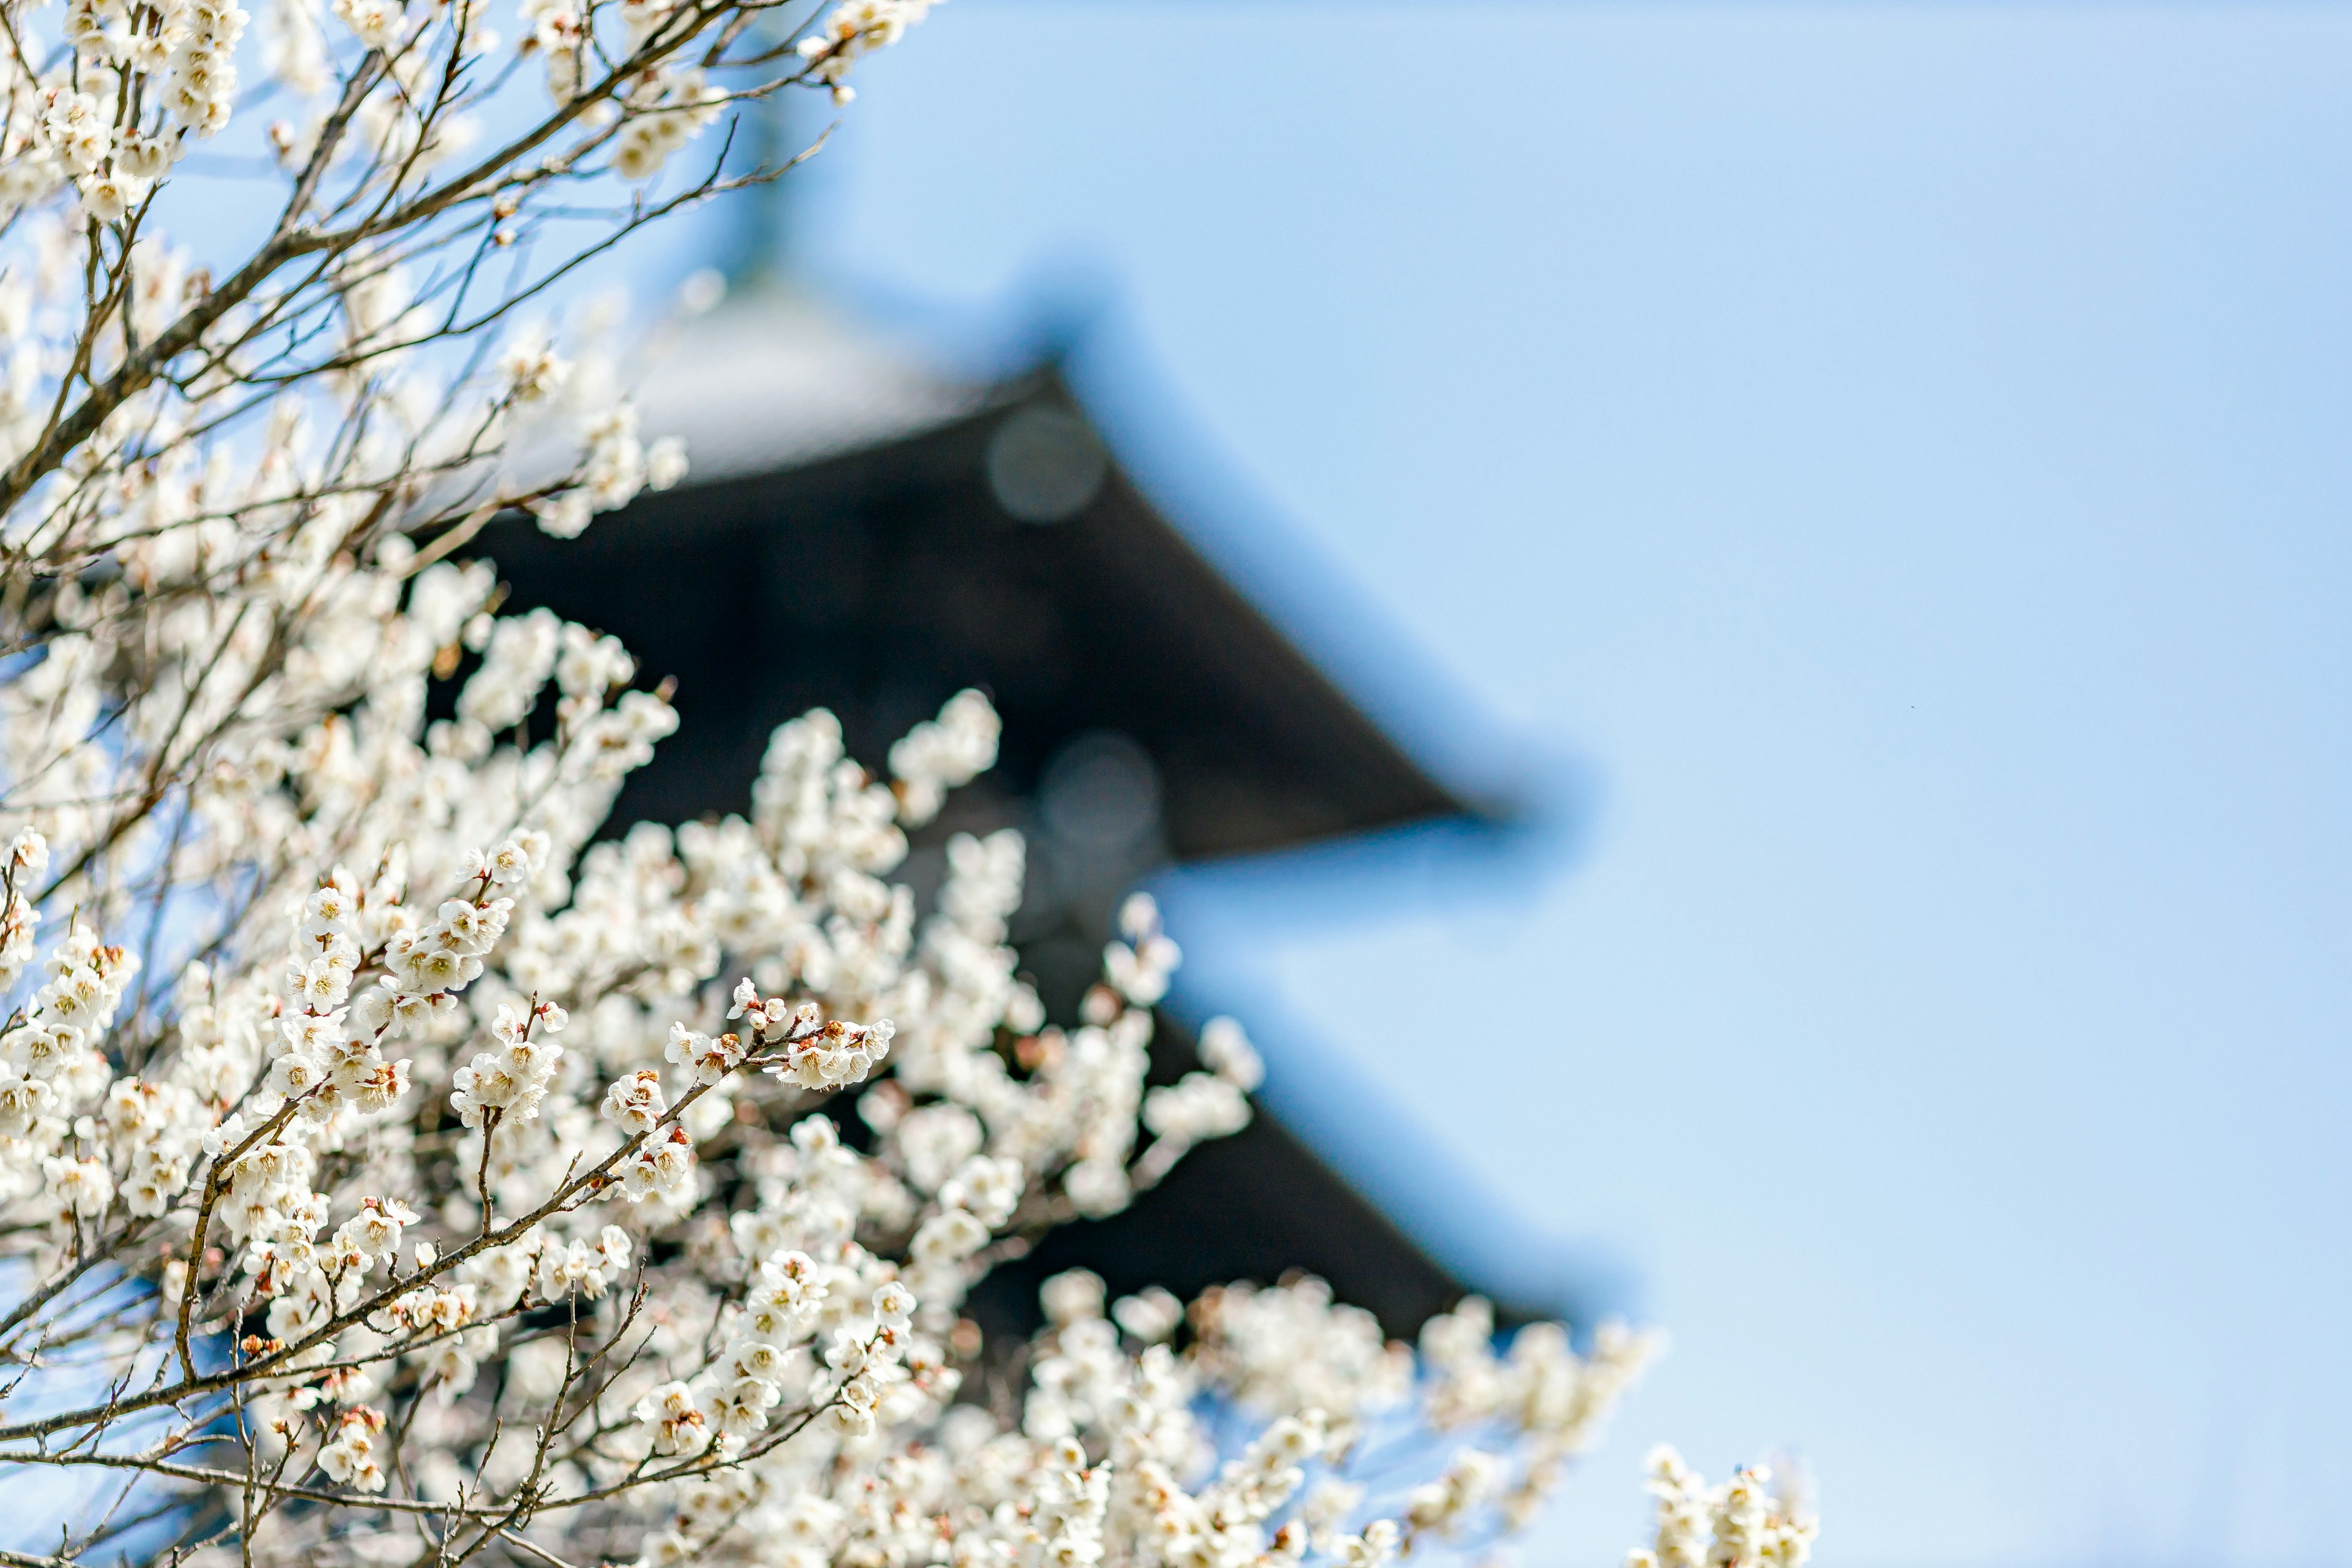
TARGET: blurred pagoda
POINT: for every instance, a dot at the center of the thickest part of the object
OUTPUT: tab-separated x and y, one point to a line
862	532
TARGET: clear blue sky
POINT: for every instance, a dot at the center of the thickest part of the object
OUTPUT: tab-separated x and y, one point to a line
1901	454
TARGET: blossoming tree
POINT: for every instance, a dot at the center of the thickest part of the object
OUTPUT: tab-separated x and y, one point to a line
391	1172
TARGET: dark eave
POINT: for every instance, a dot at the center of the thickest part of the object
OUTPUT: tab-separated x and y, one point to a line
879	582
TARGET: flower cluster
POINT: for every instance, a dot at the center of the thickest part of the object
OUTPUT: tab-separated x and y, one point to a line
20	917
51	1066
854	29
1745	1522
512	1078
1110	1462
673	107
89	136
941	755
1555	1401
352	1457
599	1162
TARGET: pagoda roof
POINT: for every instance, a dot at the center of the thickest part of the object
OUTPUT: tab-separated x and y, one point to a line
864	533
846	516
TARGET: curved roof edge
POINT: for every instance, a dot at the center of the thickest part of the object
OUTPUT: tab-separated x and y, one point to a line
776	380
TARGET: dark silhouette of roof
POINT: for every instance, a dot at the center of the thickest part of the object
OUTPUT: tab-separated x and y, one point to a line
863	537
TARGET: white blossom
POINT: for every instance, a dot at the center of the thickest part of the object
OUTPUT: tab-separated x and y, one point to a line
1744	1523
351	1457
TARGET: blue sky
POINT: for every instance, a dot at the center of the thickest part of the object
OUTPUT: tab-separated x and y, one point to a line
1894	461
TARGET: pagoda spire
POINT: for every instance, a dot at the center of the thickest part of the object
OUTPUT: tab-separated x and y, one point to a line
762	250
